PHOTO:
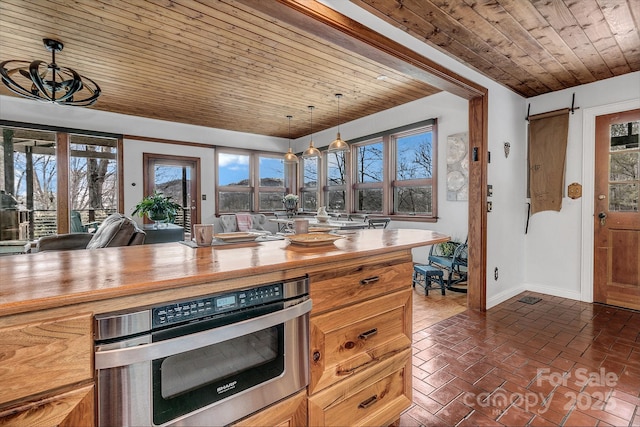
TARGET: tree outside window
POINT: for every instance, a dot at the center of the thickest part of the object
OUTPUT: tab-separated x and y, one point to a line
336	182
414	172
310	178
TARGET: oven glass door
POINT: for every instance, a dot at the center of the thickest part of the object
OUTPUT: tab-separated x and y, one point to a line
188	381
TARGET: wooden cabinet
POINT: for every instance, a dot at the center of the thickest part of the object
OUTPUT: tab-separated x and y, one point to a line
290	412
74	408
341	287
46	370
375	397
360	348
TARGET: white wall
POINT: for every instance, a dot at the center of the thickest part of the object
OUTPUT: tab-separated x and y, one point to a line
507	110
132	174
28	111
554	244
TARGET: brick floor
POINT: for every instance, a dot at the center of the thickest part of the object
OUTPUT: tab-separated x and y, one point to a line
558	362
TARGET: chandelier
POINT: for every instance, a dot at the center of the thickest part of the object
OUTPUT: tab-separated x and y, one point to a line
49	82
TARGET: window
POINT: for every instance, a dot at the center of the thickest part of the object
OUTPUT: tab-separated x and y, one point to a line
310	179
394	172
412	187
93	178
336	183
39	197
369	177
239	170
272	182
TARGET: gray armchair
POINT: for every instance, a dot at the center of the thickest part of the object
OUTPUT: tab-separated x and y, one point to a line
116	230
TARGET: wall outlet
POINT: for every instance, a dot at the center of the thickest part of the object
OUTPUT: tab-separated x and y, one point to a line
489	206
495	274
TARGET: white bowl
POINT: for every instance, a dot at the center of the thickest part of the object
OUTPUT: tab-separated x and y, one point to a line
322	218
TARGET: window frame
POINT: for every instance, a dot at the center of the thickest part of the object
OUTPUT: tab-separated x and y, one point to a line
254	189
389	184
63	156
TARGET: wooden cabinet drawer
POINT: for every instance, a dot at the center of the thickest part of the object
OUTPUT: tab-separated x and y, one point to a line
347	341
290	412
375	397
74	408
41	356
345	286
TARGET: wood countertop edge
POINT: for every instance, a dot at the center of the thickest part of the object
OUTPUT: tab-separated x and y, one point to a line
219	281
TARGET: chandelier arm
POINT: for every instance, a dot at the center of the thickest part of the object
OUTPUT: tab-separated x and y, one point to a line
37	80
11	84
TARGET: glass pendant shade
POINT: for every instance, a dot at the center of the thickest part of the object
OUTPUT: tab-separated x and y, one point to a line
338	145
290	157
311	151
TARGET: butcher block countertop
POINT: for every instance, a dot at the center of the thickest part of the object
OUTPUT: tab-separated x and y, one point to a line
111	279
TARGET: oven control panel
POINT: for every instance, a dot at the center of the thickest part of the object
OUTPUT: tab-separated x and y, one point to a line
194	309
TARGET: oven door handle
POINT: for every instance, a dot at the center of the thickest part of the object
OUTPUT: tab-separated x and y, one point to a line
158	350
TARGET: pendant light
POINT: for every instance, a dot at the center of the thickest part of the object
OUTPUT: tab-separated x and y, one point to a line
290	158
311	151
338	145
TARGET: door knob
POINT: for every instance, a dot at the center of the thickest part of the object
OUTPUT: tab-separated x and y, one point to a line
603	218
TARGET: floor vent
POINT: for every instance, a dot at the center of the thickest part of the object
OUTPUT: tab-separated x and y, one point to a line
530	300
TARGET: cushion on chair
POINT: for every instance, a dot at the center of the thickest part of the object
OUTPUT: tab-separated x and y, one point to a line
63	242
116	230
228	223
244	222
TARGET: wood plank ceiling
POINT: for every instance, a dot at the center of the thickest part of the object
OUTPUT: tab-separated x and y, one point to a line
530	46
225	65
211	63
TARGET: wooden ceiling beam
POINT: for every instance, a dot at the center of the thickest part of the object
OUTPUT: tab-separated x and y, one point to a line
342	31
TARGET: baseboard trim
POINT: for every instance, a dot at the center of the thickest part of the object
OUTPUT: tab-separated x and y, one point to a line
504	295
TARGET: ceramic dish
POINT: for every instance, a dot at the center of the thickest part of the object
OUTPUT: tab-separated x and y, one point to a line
237	237
322	218
313	239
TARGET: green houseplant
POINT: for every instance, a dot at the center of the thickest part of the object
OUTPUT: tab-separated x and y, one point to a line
157	207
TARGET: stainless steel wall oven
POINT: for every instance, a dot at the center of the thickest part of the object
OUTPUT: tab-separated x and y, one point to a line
203	362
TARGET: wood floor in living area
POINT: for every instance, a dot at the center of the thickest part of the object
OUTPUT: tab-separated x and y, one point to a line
557	362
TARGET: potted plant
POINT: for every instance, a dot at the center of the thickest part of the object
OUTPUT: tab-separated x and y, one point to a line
157	207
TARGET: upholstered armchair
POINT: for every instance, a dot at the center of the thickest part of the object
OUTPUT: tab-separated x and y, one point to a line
116	230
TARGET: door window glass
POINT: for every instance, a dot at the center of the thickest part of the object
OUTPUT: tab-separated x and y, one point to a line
624	167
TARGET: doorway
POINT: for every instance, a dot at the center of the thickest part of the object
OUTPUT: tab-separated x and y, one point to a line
177	177
616	224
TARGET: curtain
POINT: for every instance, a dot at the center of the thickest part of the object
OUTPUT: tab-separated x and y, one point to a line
547	157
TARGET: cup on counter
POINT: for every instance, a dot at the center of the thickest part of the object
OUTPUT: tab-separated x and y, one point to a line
300	226
203	234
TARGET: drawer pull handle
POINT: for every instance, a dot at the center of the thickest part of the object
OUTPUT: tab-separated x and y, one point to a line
368	334
370	401
316	356
369	280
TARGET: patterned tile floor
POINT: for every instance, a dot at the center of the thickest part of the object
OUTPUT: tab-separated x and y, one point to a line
558	362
